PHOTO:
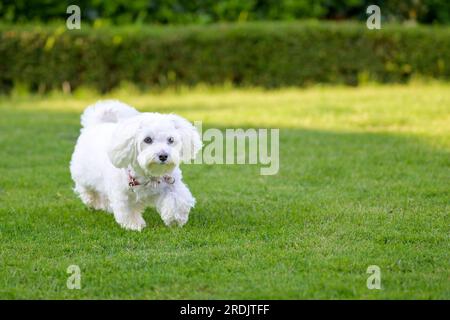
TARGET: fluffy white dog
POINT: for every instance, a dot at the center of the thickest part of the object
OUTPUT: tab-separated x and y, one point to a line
125	161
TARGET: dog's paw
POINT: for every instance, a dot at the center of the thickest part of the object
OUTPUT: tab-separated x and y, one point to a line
181	218
174	213
135	223
175	221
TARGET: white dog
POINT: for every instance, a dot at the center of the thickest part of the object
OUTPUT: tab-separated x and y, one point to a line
125	160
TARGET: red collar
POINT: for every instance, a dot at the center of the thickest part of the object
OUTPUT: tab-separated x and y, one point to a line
133	182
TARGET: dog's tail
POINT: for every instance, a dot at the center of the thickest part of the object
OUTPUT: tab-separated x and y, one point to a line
106	111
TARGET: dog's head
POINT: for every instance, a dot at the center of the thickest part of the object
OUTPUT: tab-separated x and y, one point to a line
155	143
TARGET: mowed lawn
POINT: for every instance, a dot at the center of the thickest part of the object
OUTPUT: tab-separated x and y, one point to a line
364	180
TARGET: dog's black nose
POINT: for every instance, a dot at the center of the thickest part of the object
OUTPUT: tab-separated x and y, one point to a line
162	157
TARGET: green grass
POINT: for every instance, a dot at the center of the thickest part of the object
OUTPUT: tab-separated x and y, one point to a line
364	180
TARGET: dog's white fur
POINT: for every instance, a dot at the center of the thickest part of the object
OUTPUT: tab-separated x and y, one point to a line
111	145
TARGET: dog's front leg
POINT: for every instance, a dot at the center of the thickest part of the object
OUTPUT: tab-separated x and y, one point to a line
127	215
174	204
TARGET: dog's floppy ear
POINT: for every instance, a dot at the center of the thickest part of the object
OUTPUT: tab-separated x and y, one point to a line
122	146
190	137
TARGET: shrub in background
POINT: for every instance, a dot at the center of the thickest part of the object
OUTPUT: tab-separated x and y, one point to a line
248	54
207	11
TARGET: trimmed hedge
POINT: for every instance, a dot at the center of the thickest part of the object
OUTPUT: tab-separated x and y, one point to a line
249	54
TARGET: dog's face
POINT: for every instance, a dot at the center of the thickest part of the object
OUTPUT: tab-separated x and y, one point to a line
154	142
159	147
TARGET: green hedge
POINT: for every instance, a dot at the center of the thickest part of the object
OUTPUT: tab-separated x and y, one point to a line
261	54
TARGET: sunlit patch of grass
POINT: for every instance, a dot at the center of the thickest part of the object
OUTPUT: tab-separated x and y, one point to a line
419	108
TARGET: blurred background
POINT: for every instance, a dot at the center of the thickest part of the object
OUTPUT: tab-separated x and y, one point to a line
209	11
266	43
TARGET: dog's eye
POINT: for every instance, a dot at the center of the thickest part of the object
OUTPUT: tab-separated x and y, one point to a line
170	140
148	140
